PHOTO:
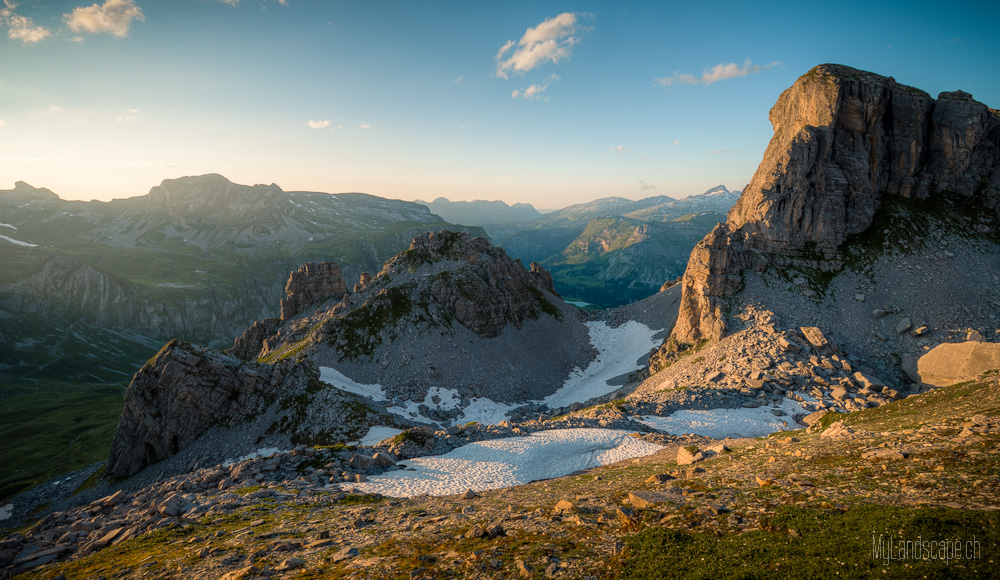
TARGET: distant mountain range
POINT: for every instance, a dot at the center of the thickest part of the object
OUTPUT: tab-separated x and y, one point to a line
197	257
482	213
606	252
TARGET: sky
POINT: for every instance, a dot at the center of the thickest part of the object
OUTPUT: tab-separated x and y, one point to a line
549	103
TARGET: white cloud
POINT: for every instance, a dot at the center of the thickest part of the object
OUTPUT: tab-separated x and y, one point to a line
674	144
318	124
646	186
551	41
235	2
21	27
365	126
535	91
719	152
719	72
130	115
114	17
621	148
458	80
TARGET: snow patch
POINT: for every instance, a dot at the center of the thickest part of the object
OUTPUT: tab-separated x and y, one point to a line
618	352
377	434
508	462
3	225
6	512
722	423
342	381
262	452
19	242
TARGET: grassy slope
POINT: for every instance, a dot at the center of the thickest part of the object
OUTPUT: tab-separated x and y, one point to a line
54	428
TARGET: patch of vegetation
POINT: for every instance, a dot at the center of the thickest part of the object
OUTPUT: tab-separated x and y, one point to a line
55	428
416	436
828	544
360	331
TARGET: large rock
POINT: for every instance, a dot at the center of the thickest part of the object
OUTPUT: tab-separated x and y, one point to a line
312	283
183	391
843	139
957	362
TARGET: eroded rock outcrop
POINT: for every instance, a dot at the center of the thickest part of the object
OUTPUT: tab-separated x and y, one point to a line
249	344
843	140
183	391
311	283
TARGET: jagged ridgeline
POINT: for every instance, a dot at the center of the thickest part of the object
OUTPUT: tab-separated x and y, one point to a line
197	258
452	312
874	214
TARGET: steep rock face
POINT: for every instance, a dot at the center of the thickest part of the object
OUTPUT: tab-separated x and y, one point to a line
843	140
183	391
311	283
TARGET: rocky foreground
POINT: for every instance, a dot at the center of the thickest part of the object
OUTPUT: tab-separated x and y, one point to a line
274	518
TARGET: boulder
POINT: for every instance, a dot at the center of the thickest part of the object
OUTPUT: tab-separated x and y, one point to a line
957	362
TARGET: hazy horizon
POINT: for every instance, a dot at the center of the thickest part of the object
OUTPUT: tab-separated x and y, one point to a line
548	104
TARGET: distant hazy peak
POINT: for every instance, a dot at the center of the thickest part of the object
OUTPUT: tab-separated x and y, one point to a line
24	188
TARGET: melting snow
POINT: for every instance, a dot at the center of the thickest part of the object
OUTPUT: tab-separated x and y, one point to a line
262	452
19	242
722	423
342	381
619	349
377	434
508	462
8	226
6	511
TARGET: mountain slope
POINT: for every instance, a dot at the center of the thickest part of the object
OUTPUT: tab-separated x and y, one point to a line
198	258
482	213
874	215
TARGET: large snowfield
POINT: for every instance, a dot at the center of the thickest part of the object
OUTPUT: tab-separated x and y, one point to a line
508	462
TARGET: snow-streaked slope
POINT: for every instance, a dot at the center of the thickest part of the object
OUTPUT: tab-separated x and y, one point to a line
508	462
619	352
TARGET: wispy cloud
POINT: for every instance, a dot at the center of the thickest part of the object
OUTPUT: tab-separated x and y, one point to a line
129	116
674	144
318	124
21	27
719	72
719	152
113	17
551	41
365	126
646	186
535	91
458	80
620	148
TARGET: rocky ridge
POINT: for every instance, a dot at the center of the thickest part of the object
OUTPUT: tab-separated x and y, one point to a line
449	292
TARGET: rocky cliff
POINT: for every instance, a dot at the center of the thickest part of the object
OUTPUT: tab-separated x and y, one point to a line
845	141
311	283
183	391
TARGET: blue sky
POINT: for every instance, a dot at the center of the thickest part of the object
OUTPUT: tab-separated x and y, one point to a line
418	99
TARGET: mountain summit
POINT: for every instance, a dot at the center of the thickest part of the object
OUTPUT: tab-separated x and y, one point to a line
864	178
